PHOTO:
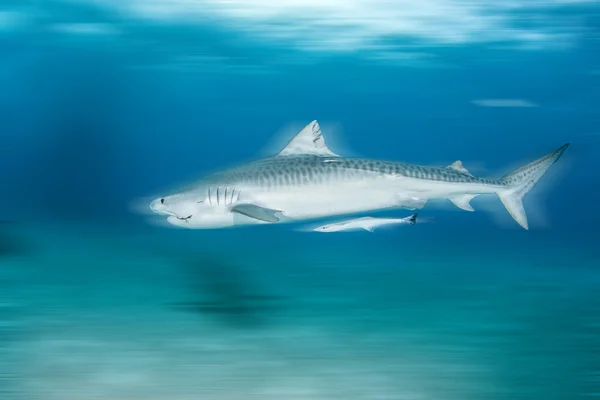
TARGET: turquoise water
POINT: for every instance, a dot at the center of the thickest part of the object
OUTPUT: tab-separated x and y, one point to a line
104	103
130	314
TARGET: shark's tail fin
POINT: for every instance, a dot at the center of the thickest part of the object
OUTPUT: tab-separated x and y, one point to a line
413	218
522	180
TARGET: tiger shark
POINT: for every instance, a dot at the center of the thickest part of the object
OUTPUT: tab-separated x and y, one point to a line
306	180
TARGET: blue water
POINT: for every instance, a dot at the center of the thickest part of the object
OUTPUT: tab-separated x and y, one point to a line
103	103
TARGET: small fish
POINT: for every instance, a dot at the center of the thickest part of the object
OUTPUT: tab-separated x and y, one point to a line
366	223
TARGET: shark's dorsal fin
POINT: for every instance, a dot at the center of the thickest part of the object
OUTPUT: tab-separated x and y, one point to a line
309	141
458	166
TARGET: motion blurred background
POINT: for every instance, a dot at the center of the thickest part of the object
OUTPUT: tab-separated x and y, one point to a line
104	102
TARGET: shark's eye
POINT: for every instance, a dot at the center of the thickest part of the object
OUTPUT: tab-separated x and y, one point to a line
162	201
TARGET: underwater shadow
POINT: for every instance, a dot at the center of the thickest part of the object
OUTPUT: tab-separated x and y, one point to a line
225	292
11	244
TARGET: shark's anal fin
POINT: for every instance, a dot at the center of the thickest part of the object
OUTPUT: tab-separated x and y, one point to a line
458	166
310	140
256	212
463	201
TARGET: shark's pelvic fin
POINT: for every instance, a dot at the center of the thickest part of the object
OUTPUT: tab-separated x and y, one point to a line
458	166
522	180
369	228
463	201
256	212
310	140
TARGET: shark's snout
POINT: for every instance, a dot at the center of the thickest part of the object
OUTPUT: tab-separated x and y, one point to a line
172	208
158	206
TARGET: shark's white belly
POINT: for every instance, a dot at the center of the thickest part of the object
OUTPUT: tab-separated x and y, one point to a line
314	201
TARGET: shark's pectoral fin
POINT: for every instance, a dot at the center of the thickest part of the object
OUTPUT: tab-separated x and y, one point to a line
463	201
256	212
369	228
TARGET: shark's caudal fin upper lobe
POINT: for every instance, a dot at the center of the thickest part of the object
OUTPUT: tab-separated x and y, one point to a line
522	180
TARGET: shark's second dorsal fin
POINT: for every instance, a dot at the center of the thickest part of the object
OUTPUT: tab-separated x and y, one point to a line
458	166
309	141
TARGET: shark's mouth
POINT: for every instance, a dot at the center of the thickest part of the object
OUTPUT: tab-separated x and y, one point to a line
172	214
184	218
